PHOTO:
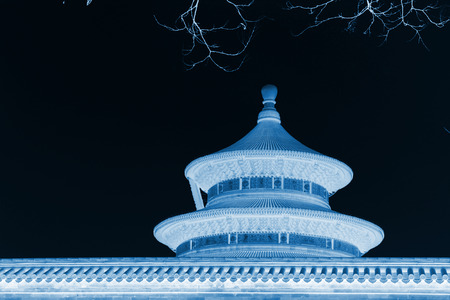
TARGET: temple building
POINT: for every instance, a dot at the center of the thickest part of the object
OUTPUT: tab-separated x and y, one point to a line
264	230
267	197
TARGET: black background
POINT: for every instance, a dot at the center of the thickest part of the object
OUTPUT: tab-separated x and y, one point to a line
99	117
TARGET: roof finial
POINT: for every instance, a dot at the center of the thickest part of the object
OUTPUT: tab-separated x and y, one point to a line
269	113
269	93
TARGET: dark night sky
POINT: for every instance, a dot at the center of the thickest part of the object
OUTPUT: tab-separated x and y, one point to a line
98	119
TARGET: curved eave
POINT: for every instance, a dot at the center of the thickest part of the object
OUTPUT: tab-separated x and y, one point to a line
345	173
361	233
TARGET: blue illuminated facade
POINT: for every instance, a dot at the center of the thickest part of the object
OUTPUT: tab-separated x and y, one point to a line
267	239
270	183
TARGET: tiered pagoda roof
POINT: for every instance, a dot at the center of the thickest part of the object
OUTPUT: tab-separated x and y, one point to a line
267	197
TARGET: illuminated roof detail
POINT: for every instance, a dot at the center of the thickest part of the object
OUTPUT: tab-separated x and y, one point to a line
267	197
268	133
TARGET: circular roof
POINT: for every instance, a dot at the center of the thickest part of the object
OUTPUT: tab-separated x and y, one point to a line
265	143
268	135
360	233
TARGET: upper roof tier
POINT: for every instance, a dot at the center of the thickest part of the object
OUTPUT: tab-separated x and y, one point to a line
268	134
269	150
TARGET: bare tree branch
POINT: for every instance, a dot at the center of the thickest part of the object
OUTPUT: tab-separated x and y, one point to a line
384	15
199	35
390	14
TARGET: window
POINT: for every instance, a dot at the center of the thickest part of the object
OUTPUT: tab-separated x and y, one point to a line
315	189
289	184
324	193
267	183
277	183
230	185
212	191
245	183
261	183
306	186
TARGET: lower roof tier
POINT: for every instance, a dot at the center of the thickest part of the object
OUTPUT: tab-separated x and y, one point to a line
327	225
